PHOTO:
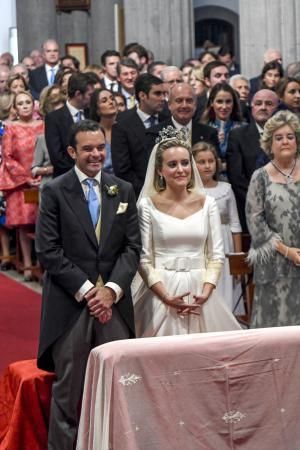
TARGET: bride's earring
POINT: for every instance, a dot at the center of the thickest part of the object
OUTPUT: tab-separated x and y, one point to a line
161	182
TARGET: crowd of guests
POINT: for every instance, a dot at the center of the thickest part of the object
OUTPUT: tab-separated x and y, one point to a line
209	155
133	97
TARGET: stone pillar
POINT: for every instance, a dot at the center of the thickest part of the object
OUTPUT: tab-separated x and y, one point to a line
268	24
102	29
36	22
165	27
72	28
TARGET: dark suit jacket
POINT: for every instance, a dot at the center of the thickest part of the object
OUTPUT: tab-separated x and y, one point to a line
67	248
37	81
200	132
129	155
57	127
243	153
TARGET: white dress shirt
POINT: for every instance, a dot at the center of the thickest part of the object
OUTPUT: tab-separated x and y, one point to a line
74	112
88	284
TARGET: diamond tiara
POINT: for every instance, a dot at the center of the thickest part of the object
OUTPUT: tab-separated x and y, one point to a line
182	135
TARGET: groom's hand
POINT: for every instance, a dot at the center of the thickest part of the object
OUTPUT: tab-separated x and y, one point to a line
99	301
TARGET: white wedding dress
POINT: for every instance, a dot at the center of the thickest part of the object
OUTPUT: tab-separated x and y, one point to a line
183	254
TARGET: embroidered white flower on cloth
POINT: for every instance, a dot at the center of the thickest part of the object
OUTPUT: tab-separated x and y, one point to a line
233	416
129	379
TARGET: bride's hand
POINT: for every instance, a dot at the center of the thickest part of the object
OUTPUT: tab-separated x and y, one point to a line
177	302
200	299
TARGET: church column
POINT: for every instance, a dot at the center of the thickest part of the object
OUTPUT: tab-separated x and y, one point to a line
165	27
36	22
268	24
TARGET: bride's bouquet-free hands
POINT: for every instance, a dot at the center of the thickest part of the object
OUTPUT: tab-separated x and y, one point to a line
177	302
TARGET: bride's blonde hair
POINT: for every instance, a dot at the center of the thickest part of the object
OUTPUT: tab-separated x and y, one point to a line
159	182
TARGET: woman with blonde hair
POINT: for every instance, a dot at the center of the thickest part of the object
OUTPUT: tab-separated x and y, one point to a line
273	217
15	174
182	255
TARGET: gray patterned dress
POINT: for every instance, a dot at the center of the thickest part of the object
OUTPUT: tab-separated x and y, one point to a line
273	213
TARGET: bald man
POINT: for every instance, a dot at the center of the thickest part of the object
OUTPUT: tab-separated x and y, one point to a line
244	154
182	105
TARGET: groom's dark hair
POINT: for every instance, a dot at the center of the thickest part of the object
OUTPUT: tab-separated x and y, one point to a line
82	126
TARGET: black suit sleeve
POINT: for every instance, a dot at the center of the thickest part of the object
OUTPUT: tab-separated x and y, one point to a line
127	263
56	140
122	158
236	174
49	246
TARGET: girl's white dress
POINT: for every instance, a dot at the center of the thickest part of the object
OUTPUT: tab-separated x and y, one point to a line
183	254
228	288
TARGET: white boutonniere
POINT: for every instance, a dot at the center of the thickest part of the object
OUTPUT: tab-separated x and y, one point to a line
111	191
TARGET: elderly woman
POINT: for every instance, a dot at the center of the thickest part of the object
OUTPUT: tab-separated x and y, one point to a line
273	216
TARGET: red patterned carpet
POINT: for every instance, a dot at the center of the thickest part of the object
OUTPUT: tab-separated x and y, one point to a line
19	322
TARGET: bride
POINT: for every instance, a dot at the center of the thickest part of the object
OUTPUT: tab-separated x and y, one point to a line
182	255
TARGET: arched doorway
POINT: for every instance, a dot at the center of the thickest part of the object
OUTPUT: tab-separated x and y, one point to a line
218	25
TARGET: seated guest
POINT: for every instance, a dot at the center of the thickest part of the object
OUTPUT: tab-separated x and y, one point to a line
273	217
244	153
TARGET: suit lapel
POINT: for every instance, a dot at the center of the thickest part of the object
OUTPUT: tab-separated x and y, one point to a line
109	206
75	197
137	126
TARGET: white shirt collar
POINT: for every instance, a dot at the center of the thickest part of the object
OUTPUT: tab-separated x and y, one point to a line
144	116
178	126
49	68
82	176
260	129
73	110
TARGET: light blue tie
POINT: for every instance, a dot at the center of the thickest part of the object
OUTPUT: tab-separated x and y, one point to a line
93	200
52	76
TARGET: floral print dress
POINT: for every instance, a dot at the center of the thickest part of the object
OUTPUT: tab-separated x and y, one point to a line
273	213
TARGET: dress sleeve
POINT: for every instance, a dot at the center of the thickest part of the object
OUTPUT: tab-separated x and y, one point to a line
13	174
263	239
234	221
146	268
214	245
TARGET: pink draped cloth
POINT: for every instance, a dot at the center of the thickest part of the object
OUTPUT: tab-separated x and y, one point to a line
214	391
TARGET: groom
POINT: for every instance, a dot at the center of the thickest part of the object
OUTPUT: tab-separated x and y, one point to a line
88	241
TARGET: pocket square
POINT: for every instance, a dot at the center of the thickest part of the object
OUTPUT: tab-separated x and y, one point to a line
122	208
